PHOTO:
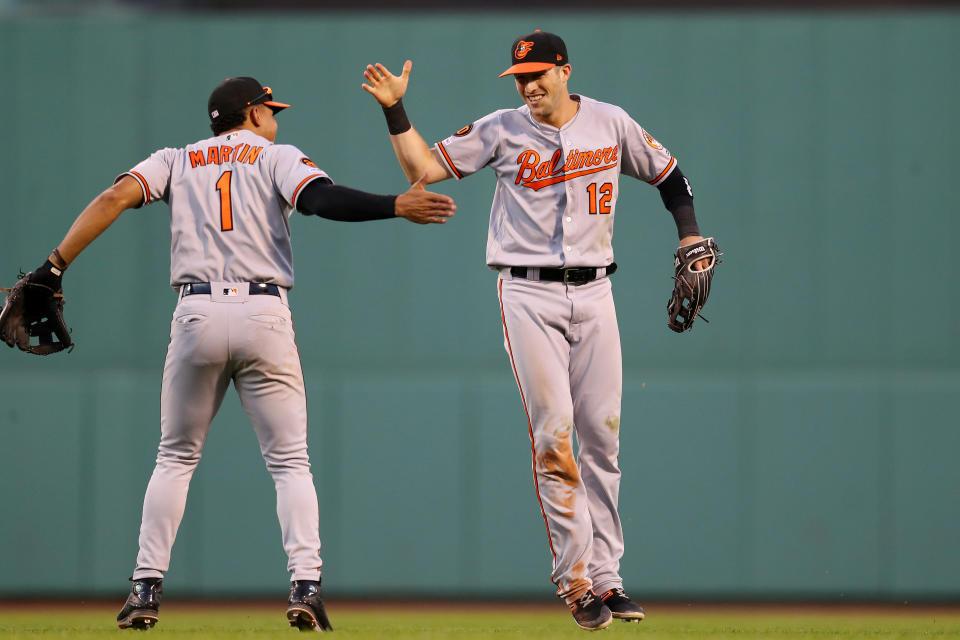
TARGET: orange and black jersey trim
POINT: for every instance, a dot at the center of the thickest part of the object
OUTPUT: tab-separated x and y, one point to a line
449	162
143	185
663	174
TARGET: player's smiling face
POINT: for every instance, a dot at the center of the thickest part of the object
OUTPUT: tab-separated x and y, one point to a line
544	92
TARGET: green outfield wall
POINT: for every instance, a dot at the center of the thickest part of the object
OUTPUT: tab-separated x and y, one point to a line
802	444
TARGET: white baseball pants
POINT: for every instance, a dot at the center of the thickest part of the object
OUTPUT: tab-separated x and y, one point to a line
214	339
564	347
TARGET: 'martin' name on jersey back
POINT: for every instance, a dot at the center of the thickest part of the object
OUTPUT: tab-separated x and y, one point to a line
223	154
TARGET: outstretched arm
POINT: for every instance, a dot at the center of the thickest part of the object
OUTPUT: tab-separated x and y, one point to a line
95	218
334	202
31	318
415	157
92	221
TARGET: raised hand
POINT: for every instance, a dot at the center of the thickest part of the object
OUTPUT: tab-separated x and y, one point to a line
422	206
384	86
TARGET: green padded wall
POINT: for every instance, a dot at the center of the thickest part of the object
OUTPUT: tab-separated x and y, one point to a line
802	444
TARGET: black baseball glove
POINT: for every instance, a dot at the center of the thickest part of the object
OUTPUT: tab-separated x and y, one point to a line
34	309
691	288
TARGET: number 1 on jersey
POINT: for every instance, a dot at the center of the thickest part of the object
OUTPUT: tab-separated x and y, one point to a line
606	194
226	212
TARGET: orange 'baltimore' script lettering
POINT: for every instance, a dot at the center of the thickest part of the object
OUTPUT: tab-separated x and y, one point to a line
222	155
536	175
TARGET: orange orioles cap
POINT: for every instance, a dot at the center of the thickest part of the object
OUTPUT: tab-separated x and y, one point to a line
236	94
537	51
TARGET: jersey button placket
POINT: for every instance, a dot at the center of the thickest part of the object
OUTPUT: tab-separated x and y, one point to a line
568	223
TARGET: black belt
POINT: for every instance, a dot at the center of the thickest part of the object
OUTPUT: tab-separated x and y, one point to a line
573	275
256	289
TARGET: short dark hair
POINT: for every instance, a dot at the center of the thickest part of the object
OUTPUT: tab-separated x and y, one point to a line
229	121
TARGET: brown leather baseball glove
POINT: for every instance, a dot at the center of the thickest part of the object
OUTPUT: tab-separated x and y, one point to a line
32	315
691	288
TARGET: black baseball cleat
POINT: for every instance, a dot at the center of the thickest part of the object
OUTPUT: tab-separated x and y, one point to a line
590	613
622	606
305	610
140	610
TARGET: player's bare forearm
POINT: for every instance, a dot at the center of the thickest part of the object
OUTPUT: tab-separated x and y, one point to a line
96	217
416	158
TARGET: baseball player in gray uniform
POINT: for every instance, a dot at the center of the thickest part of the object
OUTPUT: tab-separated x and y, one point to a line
231	197
557	159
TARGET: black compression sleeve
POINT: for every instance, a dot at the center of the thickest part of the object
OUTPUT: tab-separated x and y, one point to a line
686	221
677	197
327	200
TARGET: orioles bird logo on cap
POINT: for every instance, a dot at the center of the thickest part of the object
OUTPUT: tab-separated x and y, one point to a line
523	48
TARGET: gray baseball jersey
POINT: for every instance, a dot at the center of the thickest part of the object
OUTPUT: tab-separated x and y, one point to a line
543	172
230	200
554	206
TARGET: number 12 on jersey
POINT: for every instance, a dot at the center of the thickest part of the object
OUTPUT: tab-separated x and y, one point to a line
226	211
601	205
